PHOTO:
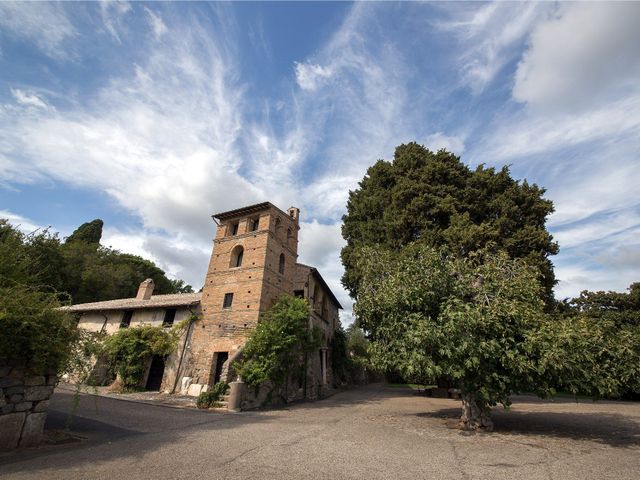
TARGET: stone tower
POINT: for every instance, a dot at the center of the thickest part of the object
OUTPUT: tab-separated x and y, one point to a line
252	263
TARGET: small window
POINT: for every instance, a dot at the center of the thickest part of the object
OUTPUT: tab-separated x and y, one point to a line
281	264
169	317
228	300
253	224
236	256
126	319
298	293
233	229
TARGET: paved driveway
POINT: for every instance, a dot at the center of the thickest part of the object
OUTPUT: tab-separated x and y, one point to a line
367	433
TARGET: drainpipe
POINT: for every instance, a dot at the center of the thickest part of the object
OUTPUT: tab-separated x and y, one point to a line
184	348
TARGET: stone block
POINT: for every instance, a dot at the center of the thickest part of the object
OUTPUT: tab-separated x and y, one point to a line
16	398
22	406
8	408
13	390
33	381
41	406
52	380
10	430
9	382
4	371
194	389
32	429
37	393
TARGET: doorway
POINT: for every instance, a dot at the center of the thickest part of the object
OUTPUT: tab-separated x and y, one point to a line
156	372
221	358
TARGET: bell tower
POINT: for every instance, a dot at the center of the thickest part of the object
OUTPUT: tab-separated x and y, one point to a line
252	263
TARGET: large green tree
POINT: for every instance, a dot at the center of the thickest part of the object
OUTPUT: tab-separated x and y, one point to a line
434	199
80	268
479	322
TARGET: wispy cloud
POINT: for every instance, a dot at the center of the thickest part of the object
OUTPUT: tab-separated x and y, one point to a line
45	24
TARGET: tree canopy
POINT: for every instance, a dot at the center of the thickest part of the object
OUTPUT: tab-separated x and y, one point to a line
436	200
80	267
479	322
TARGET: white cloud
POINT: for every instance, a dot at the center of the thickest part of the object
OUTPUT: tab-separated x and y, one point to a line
160	140
311	76
157	25
451	143
28	98
581	56
23	224
45	24
113	13
489	36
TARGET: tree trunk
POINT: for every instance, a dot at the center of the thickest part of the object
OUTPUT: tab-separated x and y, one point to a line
474	416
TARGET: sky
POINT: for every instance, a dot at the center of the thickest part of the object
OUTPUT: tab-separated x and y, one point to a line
153	116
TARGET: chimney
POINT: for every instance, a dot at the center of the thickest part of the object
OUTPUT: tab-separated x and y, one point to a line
294	213
145	290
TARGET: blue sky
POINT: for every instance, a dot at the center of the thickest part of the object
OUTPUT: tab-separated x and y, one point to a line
154	116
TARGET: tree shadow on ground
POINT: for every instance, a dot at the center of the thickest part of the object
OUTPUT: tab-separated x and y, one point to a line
612	429
119	429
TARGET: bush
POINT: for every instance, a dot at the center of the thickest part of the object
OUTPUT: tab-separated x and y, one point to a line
129	350
277	346
212	397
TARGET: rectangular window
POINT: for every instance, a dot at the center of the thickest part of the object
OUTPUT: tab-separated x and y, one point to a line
126	319
298	293
233	229
253	224
169	317
228	300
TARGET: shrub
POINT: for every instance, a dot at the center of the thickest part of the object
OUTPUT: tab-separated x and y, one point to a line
212	397
277	346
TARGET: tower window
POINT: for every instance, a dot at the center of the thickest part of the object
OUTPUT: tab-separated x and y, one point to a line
228	300
236	256
126	319
232	229
169	317
281	264
253	224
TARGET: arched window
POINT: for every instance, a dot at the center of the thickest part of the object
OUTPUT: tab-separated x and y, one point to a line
236	256
289	236
281	264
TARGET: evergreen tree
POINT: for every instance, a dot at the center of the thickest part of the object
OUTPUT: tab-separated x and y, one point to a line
436	200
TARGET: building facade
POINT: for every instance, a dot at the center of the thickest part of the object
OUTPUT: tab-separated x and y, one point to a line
253	262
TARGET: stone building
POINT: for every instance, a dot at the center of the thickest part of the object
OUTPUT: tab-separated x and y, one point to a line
253	262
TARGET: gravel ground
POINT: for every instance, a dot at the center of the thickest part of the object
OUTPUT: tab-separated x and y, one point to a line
373	432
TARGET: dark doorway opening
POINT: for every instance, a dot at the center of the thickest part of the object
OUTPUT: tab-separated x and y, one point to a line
156	372
221	357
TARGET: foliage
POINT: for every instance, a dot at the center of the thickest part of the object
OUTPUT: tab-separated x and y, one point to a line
129	350
349	354
277	346
80	267
34	333
436	200
90	232
480	323
212	397
621	308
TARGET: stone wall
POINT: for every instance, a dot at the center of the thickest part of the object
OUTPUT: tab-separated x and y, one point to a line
24	399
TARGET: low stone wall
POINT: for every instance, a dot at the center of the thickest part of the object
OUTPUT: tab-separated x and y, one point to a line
24	399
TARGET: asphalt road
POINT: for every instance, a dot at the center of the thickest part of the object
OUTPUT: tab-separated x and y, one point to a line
367	433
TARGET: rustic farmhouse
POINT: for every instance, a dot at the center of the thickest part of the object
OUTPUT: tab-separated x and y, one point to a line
253	262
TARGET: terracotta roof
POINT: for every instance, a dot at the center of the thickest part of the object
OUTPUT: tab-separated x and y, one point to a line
156	301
